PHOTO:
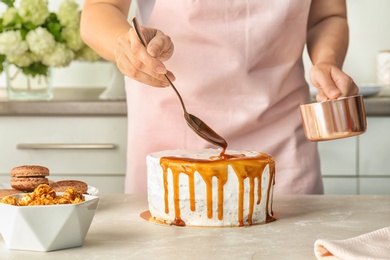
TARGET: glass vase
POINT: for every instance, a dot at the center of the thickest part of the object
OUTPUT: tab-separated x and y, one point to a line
26	87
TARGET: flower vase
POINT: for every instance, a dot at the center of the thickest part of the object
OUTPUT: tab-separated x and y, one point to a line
27	87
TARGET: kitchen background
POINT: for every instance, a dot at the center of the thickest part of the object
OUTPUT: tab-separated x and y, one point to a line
355	165
369	33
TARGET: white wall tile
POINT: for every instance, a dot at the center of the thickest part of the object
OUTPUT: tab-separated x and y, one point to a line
338	157
375	186
374	147
340	186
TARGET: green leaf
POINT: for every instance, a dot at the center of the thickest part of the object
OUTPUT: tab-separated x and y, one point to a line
16	24
37	68
2	60
9	3
1	25
54	27
29	26
23	32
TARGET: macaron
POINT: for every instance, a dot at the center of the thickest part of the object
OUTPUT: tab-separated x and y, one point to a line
7	192
28	177
61	186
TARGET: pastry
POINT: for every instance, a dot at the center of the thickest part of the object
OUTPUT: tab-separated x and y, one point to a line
28	177
61	186
6	192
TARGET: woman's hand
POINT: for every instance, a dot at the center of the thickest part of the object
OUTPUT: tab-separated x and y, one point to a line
327	44
144	64
331	82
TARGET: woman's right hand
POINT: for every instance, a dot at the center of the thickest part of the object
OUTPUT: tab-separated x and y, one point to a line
145	64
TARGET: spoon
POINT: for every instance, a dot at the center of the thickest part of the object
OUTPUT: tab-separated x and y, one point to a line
196	124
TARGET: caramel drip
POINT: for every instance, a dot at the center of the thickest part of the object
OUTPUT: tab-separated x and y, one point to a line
253	170
244	167
269	215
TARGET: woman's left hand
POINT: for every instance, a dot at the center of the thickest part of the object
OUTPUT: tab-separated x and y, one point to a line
332	82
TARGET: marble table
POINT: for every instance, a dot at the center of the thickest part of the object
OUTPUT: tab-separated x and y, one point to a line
118	231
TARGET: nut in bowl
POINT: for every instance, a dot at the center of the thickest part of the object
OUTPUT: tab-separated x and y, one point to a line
46	227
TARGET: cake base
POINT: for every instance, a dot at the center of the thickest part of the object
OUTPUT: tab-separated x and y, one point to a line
147	216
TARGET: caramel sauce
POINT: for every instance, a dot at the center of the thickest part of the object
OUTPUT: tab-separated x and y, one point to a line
217	166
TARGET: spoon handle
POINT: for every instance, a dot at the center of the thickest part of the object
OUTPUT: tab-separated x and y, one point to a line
141	37
137	29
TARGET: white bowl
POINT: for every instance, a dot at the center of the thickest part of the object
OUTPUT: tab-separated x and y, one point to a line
48	227
369	89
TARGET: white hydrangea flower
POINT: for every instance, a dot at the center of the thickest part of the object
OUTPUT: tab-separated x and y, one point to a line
9	16
34	11
39	45
68	13
72	38
23	60
11	43
40	41
59	57
87	54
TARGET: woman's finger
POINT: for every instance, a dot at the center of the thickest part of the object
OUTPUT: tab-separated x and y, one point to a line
322	79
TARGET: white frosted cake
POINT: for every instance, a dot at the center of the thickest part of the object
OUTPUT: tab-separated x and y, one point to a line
199	188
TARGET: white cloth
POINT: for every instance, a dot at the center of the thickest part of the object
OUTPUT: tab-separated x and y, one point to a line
373	245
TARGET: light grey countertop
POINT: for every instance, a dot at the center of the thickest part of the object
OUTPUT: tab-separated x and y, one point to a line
85	101
65	102
377	106
118	231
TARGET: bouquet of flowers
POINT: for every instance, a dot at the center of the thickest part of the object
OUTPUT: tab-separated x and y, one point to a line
33	39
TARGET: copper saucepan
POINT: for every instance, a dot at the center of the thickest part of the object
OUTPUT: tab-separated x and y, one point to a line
334	119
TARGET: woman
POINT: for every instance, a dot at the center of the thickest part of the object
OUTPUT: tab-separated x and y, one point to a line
238	66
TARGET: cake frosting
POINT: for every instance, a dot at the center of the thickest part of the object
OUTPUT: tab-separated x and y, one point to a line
199	188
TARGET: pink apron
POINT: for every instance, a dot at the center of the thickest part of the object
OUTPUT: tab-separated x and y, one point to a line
238	66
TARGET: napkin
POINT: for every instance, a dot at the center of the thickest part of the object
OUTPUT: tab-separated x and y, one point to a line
373	245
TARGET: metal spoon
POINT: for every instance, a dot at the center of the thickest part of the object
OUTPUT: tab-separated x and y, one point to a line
199	127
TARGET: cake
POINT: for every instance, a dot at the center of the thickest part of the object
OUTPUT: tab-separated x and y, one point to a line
201	188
